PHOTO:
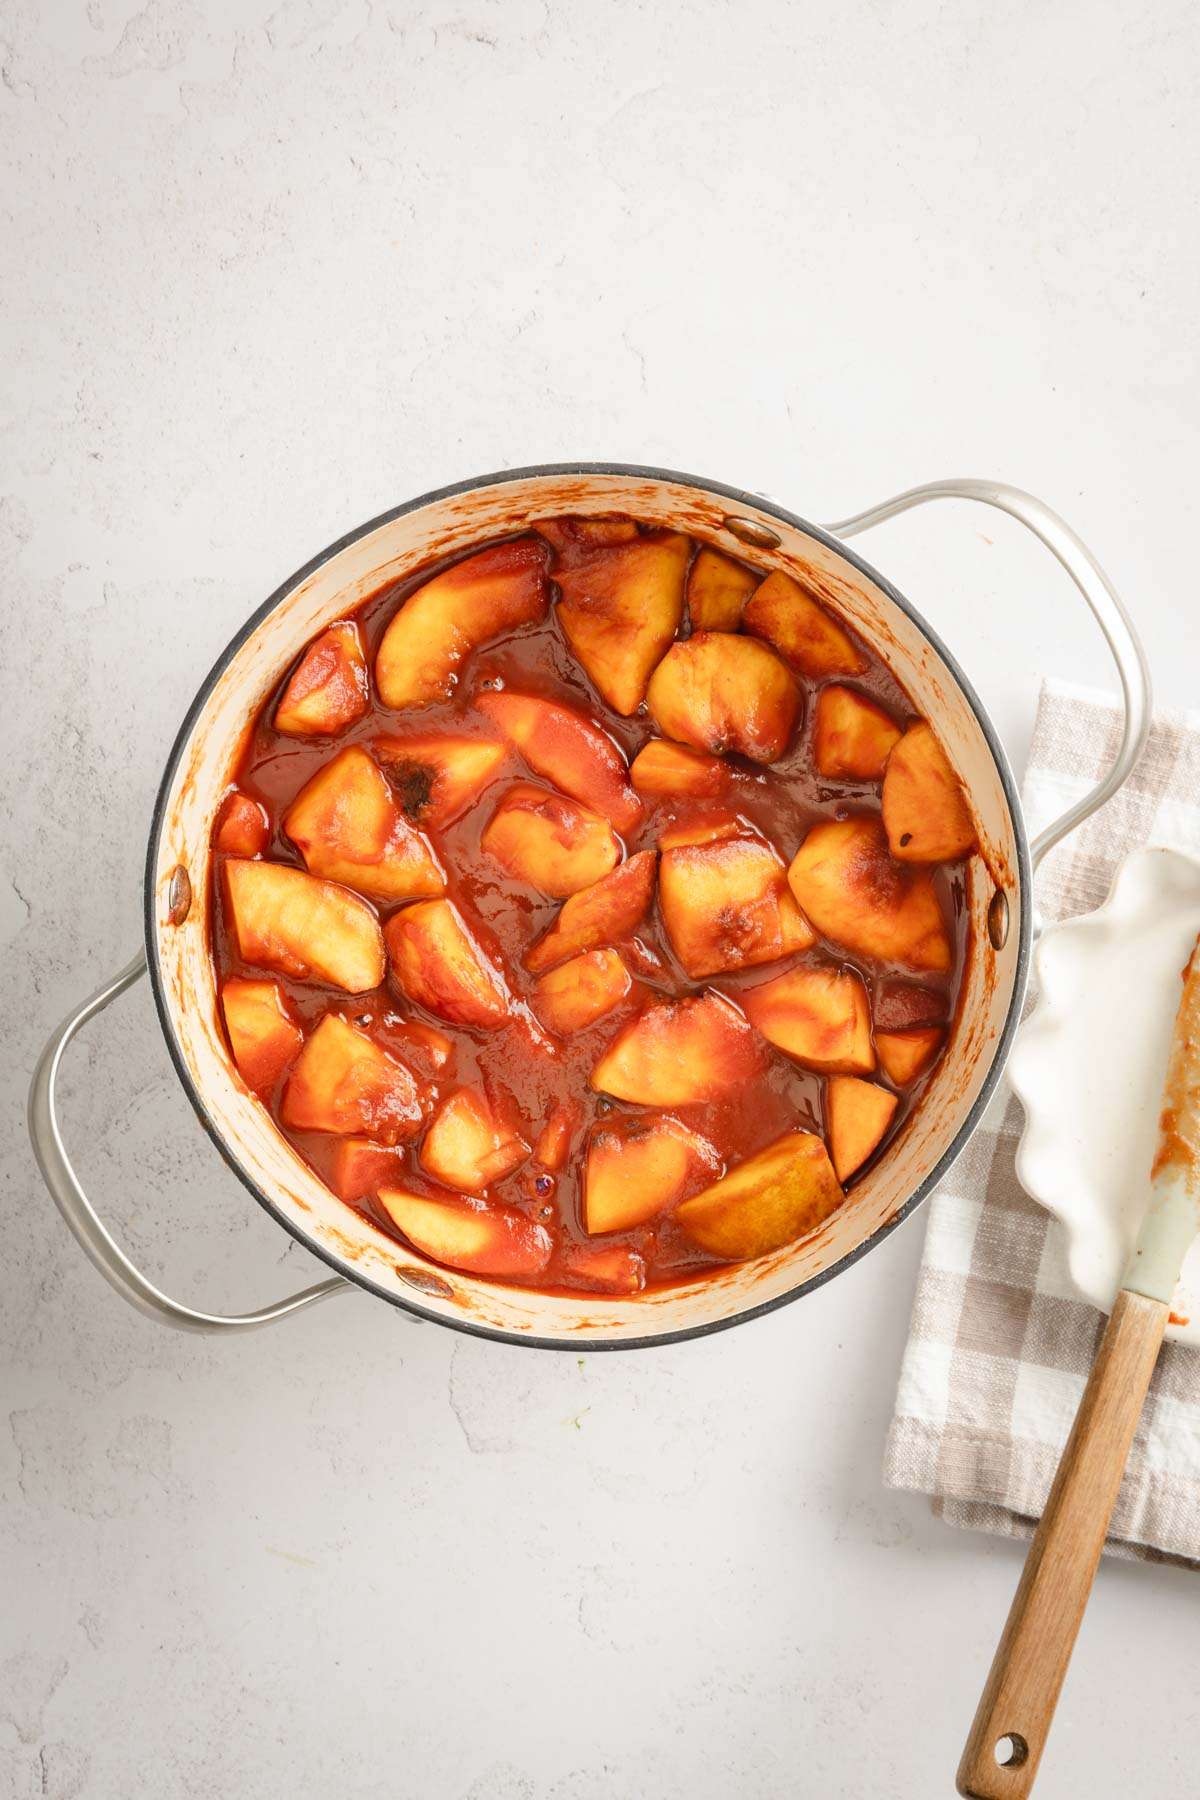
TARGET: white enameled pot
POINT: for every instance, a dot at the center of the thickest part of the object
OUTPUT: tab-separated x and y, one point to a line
388	549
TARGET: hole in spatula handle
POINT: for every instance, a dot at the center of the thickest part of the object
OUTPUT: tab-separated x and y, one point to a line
1011	1750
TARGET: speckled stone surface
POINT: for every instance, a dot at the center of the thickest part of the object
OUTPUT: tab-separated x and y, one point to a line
268	270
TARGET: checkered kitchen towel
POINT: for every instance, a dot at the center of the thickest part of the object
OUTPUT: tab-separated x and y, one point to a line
1000	1345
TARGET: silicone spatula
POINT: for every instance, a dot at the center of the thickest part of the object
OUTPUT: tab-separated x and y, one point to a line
1013	1719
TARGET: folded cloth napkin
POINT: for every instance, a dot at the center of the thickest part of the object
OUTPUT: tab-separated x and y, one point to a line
1000	1343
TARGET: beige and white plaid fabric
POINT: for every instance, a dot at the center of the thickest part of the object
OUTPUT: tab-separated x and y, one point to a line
1000	1344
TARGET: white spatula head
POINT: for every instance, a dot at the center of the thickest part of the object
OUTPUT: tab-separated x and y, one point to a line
1173	1216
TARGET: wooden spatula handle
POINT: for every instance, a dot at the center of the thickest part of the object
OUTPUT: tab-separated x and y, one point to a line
1031	1659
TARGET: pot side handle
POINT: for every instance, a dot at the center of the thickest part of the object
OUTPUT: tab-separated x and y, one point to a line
1097	590
86	1224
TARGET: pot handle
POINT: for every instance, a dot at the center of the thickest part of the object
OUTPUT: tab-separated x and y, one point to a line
82	1217
1097	590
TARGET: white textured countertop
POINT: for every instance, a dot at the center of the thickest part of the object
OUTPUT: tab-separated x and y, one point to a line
267	271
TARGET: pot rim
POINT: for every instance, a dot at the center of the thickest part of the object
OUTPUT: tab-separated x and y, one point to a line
1023	884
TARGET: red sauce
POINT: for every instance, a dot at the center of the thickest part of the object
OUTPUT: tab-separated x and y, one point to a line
783	800
1179	1122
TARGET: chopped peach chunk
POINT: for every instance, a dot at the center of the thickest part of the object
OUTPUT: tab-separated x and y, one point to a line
553	1144
312	930
678	1051
903	1055
343	1081
850	887
557	845
436	775
726	905
899	1005
569	750
605	1268
573	996
330	688
602	914
485	595
661	767
805	635
852	736
719	693
572	536
717	590
242	827
263	1035
709	826
638	1167
347	826
857	1114
437	962
477	1236
424	1044
621	605
820	1015
925	811
781	1194
470	1143
359	1168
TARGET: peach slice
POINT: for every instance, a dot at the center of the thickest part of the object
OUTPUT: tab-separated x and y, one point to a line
470	1143
638	1167
853	891
285	919
903	1055
604	1268
573	996
621	605
925	811
428	1047
820	1016
717	590
242	827
347	826
438	626
899	1005
436	775
343	1081
661	767
437	963
852	736
777	1196
604	913
569	750
359	1168
574	535
553	1144
858	1114
330	688
679	1051
709	826
726	905
718	692
558	846
477	1236
805	635
263	1035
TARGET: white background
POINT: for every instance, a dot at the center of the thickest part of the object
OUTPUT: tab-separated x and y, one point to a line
268	271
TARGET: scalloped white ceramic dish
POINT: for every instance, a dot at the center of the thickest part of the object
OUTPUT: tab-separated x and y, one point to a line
1088	1068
